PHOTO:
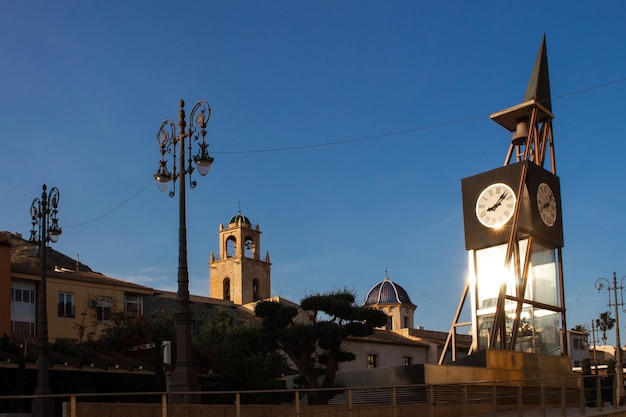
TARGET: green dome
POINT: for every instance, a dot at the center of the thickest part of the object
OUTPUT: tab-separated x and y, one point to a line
239	216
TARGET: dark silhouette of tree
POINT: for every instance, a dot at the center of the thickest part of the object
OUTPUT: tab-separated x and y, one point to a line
605	323
581	328
127	333
234	357
314	344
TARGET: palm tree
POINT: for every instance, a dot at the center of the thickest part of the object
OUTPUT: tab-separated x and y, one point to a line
582	329
604	323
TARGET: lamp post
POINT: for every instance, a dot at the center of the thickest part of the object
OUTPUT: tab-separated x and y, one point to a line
45	228
603	283
593	337
178	144
595	353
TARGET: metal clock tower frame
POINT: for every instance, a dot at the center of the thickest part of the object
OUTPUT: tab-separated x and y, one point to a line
531	151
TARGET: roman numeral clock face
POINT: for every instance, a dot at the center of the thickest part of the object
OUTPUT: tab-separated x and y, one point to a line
495	205
546	204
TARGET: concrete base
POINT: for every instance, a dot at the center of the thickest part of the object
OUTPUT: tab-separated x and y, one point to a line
486	365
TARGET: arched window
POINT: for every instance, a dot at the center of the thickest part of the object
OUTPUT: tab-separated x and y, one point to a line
226	288
231	246
249	247
255	290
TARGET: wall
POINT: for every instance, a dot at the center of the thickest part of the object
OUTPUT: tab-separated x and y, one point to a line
388	355
5	284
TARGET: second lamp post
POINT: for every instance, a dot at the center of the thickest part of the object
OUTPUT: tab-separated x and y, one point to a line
178	144
45	228
604	284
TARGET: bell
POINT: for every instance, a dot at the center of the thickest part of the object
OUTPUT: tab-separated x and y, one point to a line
521	133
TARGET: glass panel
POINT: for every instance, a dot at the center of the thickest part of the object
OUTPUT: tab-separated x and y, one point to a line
548	334
543	275
485	323
491	275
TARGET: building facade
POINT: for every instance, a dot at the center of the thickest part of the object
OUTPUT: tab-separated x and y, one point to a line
80	304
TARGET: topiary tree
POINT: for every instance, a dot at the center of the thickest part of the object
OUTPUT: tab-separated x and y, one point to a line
315	346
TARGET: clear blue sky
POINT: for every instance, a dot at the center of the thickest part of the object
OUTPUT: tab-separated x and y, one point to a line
84	87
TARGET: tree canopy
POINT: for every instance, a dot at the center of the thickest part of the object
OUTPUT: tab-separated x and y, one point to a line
314	343
605	323
232	353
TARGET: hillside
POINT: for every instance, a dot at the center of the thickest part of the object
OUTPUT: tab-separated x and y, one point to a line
25	253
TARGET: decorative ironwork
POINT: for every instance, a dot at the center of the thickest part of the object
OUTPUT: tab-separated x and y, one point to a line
45	228
182	158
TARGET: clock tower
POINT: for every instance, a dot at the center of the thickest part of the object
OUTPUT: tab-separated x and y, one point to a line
240	275
514	234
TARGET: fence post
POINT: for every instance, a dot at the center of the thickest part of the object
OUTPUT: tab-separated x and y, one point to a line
598	394
163	405
494	403
73	406
297	403
431	399
615	400
237	405
581	395
350	402
464	405
520	402
563	400
543	400
394	402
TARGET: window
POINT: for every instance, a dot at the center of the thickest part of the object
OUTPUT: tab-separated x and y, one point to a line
226	289
133	304
406	322
579	344
103	309
249	247
22	295
406	360
255	290
21	327
371	361
389	323
231	246
66	304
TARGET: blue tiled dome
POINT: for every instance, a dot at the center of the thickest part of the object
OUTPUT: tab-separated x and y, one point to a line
387	292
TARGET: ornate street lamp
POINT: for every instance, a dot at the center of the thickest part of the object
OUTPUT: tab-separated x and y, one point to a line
179	145
45	228
601	284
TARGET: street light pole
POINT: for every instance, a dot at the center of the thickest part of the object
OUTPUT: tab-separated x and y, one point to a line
603	283
595	353
45	228
179	145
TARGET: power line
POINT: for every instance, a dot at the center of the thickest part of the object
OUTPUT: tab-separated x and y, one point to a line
113	209
403	132
346	141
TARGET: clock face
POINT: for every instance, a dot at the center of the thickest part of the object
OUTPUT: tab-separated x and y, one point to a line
495	205
546	203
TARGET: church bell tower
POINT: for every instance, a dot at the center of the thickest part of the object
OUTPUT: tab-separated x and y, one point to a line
239	275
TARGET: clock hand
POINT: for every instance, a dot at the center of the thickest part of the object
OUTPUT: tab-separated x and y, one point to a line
498	203
548	203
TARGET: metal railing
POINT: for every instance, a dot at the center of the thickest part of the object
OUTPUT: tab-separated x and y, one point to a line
513	397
